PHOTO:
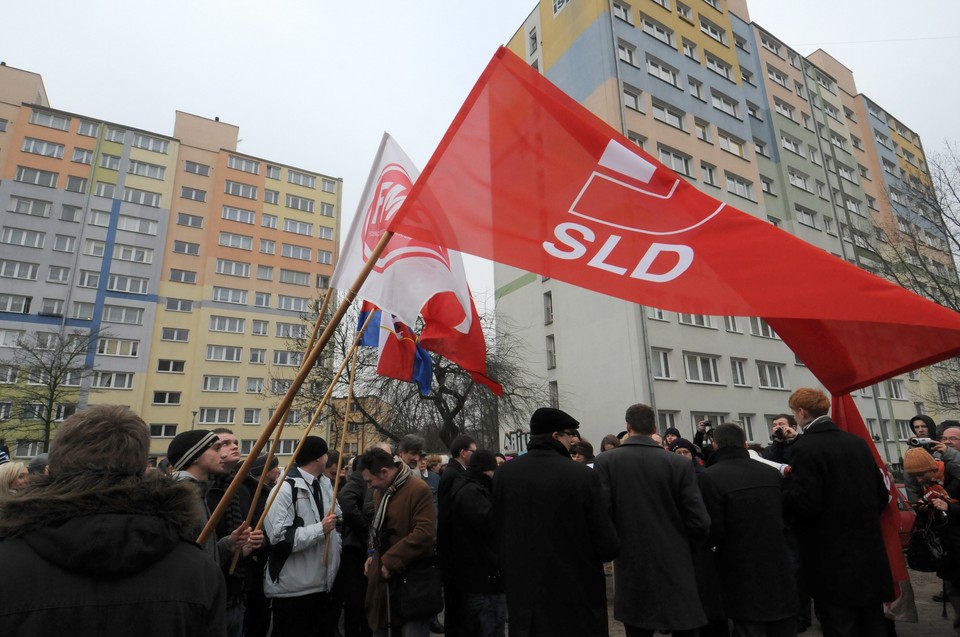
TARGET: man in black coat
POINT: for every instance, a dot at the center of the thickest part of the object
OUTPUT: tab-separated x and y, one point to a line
554	534
743	498
461	449
835	493
655	504
95	548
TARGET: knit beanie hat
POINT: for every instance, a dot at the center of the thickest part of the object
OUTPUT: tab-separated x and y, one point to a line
917	461
314	448
683	443
260	464
546	420
672	431
483	460
188	446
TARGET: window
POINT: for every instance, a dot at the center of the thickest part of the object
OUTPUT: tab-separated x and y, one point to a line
661	363
287	358
9	374
163	431
731	144
702	368
660	70
240	190
137	224
702	129
239	215
271	196
709	173
226	324
668	115
657	30
294	277
18	270
303	179
262	299
760	148
147	142
233	268
153	171
229	295
784	109
82	311
299	203
713	30
15	303
273	172
254	385
547	308
753	111
551	347
260	328
325	257
700	320
224	353
142	197
251	417
216	416
179	305
244	164
690	49
268	246
719	67
41	147
622	10
179	334
684	12
105	190
193	193
58	274
268	221
21	237
37	177
737	372
239	241
726	104
185	247
50	120
110	162
171	366
759	327
798	179
292	303
777	76
258	356
627	53
132	253
806	217
118	347
166	398
296	252
325	233
631	97
674	160
122	314
770	375
221	383
298	227
770	44
88	129
897	391
739	186
329	185
326	209
196	168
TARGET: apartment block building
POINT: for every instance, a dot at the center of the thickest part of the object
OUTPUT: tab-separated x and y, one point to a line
748	120
187	262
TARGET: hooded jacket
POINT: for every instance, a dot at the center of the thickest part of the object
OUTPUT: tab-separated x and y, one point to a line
106	555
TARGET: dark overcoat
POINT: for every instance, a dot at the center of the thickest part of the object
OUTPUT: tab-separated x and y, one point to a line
834	496
554	534
656	504
743	498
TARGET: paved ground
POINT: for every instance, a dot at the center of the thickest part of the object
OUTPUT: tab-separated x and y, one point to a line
930	623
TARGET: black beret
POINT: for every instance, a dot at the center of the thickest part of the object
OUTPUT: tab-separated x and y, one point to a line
546	420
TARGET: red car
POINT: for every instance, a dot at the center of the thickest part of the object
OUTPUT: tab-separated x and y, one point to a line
907	518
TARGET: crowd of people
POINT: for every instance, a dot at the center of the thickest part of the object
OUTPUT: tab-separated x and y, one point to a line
706	536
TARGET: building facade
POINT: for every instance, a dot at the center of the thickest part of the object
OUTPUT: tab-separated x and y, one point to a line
187	263
748	120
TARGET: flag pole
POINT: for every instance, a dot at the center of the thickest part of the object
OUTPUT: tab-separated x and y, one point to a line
343	437
323	403
295	385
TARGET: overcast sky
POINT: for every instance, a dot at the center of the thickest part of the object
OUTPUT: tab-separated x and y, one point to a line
315	83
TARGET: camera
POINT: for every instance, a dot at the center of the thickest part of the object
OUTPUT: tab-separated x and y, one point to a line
926	443
778	435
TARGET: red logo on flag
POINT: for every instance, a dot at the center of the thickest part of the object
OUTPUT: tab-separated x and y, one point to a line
390	192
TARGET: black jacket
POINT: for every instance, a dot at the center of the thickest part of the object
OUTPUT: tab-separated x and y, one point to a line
743	498
474	546
450	477
102	556
554	533
356	517
834	496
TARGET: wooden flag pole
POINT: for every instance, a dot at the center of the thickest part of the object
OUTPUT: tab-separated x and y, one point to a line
295	385
316	415
343	437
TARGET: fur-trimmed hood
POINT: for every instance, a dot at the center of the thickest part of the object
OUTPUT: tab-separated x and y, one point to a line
101	524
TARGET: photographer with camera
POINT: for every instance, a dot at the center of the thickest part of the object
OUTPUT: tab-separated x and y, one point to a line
703	439
783	435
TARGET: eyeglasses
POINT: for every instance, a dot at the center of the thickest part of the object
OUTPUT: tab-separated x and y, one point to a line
951	438
572	434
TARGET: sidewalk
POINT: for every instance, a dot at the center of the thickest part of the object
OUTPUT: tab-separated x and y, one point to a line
925	585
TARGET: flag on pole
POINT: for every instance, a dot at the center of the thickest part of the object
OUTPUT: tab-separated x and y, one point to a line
412	277
400	355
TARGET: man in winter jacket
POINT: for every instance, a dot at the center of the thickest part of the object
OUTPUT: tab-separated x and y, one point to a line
97	549
743	499
554	534
300	571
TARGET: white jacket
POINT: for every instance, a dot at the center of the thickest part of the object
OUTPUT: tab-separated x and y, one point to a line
304	572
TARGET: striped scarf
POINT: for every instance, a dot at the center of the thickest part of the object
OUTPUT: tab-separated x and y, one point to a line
403	474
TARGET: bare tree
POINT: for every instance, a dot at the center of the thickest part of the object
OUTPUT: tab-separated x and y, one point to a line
43	375
454	405
918	250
